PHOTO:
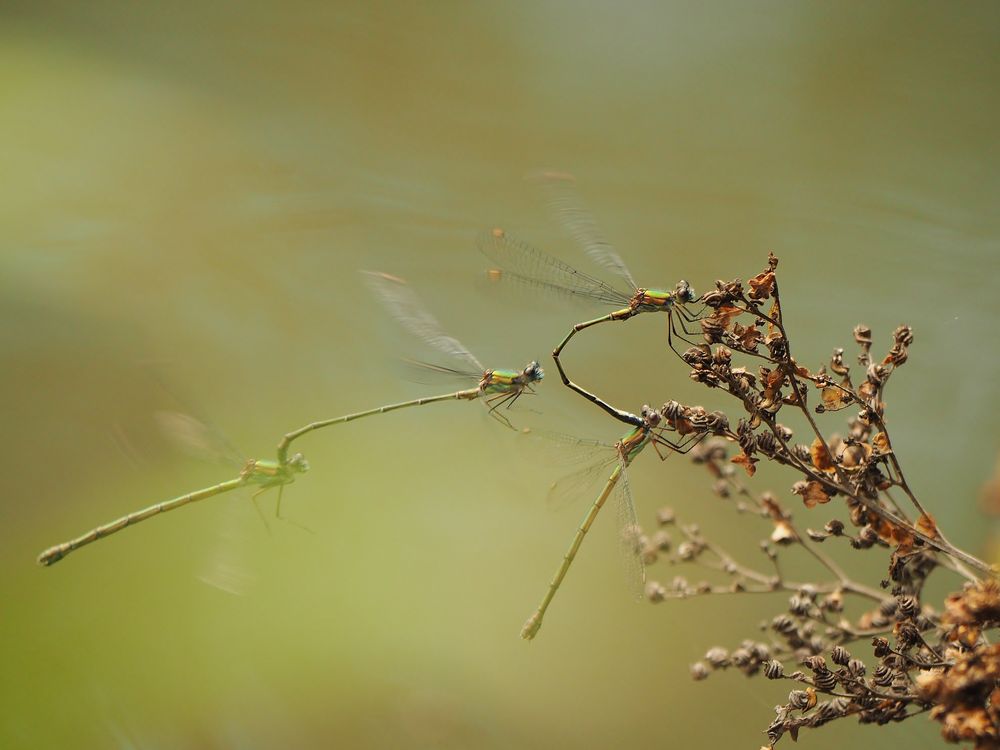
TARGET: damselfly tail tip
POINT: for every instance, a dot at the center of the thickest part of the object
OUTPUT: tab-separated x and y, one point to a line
531	627
50	557
498	233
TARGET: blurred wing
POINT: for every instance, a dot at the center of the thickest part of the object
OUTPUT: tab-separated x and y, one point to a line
404	305
227	566
565	203
196	438
528	265
629	536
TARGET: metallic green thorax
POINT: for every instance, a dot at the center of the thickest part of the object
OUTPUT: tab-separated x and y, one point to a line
509	381
652	298
500	381
632	443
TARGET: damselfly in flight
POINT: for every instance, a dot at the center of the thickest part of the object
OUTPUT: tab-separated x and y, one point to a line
495	387
263	474
519	261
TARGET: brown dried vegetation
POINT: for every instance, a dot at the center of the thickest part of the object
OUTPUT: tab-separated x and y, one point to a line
899	656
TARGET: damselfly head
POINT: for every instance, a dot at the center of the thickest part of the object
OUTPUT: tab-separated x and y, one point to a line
298	463
650	415
533	372
684	292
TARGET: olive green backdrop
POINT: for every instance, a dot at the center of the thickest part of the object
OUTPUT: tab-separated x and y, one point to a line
188	192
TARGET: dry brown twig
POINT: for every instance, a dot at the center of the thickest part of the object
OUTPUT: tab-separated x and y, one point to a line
921	658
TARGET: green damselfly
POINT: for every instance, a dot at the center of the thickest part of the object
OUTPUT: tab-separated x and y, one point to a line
263	474
495	387
521	262
645	431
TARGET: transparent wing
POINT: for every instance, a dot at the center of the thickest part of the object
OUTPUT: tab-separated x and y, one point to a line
195	438
559	449
226	567
583	483
404	305
519	261
429	373
629	536
564	201
586	460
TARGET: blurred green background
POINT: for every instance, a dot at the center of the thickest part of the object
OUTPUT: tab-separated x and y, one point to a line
189	190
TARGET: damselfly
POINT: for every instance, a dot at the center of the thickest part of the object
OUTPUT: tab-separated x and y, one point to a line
495	387
519	261
645	431
261	473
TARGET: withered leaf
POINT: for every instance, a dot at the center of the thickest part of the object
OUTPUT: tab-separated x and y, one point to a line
783	533
881	444
821	456
814	494
761	285
834	398
748	337
747	462
725	314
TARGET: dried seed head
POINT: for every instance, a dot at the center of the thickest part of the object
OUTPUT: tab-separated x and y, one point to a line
834	527
661	541
840	655
834	601
718	657
815	662
888	607
741	657
687	551
777	345
713	329
655	592
722	355
801	699
903	335
882	676
785	433
774	670
665	516
908	606
699	671
856	667
802	452
799	605
783	624
825	680
863	337
880	646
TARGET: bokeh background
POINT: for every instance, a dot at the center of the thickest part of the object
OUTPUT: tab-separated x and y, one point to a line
189	190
